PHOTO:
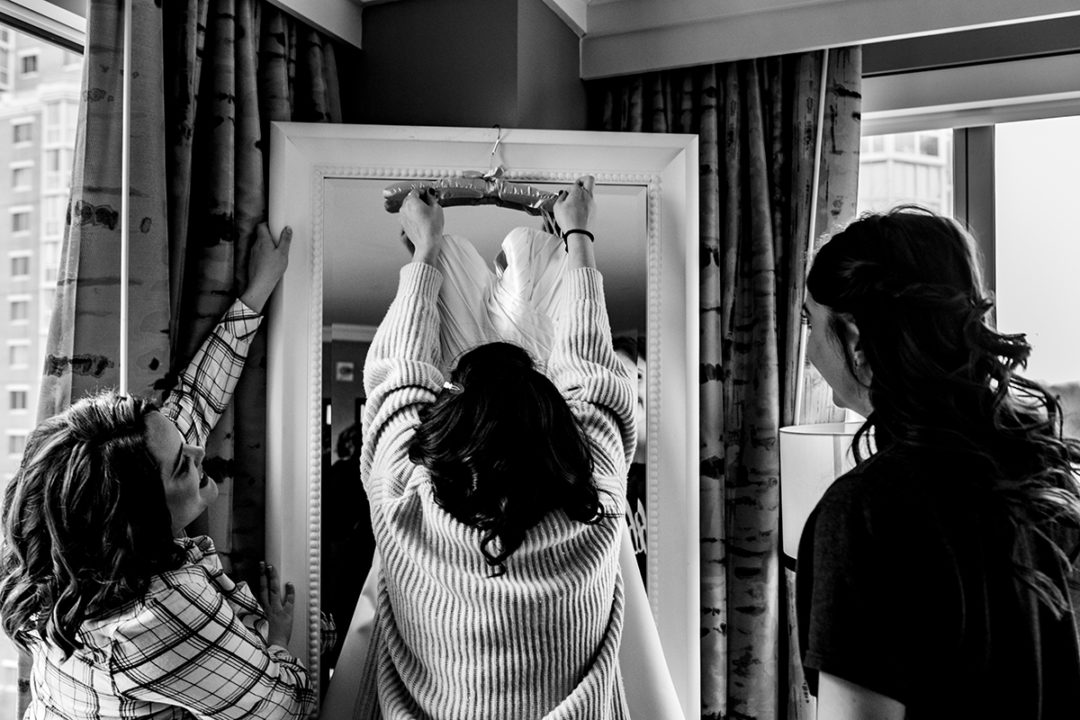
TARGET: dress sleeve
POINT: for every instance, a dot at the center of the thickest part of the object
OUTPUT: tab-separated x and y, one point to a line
401	375
206	385
596	386
187	648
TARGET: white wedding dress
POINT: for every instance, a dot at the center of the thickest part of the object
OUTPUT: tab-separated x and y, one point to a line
514	301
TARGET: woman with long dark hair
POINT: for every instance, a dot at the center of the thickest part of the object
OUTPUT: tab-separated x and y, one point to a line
934	578
124	615
497	501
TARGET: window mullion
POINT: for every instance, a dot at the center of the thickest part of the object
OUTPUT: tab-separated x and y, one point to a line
973	188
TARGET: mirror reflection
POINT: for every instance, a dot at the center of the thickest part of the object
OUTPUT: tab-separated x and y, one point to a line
362	254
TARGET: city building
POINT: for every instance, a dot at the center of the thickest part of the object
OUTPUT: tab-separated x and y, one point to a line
39	107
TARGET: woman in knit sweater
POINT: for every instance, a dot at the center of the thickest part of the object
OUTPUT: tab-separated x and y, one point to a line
497	502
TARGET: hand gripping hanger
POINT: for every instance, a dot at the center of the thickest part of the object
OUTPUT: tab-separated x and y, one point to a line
476	188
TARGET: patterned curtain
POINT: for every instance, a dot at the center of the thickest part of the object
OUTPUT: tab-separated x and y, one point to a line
208	78
761	146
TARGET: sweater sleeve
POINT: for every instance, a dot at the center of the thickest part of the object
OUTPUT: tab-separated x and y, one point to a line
401	376
596	386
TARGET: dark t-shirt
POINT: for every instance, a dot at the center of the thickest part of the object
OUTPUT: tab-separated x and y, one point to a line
905	587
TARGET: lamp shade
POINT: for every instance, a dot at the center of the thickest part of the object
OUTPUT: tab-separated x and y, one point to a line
811	458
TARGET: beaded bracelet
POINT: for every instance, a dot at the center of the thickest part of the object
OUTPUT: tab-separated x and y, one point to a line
578	231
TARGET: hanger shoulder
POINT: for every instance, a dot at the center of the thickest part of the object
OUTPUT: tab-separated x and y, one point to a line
462	190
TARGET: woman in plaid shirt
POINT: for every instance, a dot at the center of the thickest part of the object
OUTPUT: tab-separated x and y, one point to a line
124	616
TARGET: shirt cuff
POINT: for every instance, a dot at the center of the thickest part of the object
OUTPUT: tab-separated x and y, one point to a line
242	321
281	654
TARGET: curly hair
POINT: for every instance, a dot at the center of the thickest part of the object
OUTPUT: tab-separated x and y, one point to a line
85	521
504	450
942	376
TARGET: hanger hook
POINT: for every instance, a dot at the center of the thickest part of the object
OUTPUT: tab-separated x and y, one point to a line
498	139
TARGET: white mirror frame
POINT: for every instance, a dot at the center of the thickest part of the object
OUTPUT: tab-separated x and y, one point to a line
304	155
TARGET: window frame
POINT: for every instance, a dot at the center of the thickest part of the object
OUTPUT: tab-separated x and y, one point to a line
22	56
10	391
23	121
15	167
15	255
14	343
19	298
10	434
972	99
27	210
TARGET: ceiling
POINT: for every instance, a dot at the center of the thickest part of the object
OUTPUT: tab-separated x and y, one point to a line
620	37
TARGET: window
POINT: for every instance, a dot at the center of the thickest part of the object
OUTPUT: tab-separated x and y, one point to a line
1011	149
22	132
57	168
18	399
16	442
897	175
1037	248
53	211
929	144
22	177
61	119
20	265
50	260
18	355
47	77
20	221
19	310
28	64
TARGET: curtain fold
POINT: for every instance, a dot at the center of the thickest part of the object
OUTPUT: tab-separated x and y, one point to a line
760	141
208	77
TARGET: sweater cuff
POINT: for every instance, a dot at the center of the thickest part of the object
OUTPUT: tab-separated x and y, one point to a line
585	283
421	279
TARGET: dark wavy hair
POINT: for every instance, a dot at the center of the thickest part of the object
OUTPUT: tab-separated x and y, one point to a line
504	450
942	376
85	519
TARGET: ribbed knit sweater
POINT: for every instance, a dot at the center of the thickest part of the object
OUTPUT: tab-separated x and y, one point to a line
542	640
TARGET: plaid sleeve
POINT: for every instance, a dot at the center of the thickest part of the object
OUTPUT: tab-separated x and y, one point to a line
188	649
201	552
205	387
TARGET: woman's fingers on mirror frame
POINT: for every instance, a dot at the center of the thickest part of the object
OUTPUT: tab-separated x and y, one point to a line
270	588
289	597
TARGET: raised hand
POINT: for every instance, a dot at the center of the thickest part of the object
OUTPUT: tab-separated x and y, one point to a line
574	210
575	206
422	221
266	265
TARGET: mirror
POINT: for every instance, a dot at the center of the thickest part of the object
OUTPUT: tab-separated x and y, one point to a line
326	182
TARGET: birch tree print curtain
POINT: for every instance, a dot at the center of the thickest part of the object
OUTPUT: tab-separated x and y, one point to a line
765	137
208	76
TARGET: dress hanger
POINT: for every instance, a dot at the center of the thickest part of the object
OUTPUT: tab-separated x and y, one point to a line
476	188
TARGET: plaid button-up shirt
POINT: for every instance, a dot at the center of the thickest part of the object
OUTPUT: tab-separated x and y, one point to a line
194	645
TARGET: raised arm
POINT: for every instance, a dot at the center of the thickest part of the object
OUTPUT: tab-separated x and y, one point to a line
401	372
205	387
583	364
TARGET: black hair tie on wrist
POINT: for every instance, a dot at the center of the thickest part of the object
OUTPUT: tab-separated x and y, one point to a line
577	231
